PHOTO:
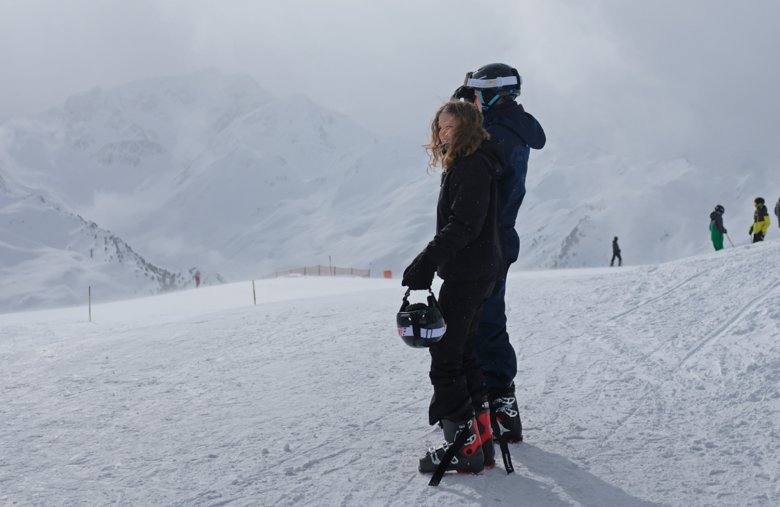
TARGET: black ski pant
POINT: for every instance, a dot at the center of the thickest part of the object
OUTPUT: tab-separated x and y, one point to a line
619	258
455	374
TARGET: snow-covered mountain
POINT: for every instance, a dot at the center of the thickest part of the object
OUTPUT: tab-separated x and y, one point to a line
659	209
214	172
51	257
639	386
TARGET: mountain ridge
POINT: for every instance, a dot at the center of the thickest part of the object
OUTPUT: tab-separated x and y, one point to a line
213	171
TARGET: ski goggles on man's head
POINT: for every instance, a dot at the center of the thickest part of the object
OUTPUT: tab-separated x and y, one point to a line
498	82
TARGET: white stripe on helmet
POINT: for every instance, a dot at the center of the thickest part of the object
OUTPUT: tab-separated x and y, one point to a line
491	83
424	332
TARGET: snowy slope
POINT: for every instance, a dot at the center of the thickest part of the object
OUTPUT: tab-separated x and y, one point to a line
579	200
647	385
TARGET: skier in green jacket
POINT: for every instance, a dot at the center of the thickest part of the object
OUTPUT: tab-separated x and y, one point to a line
716	227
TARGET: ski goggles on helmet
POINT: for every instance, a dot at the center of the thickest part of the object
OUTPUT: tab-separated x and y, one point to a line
497	82
490	90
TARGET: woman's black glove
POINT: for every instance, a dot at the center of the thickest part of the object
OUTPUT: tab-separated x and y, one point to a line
419	274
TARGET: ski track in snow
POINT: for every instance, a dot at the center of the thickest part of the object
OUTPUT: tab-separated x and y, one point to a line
720	330
656	298
648	385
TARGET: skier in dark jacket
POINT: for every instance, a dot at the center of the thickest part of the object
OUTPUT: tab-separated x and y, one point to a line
760	220
494	88
777	211
466	253
616	253
716	227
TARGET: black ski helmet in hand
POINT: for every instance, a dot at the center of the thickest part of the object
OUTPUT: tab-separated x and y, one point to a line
420	325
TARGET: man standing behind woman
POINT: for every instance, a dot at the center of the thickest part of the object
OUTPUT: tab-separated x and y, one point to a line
466	252
494	89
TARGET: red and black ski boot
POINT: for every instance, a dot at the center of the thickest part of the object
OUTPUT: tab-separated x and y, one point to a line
485	432
468	459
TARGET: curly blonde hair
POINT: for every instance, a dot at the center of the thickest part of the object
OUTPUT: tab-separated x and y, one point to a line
467	137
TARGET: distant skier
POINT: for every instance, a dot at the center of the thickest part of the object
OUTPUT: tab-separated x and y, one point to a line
197	279
777	211
760	220
716	227
616	253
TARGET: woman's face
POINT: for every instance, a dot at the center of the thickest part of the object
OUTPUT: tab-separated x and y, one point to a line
447	126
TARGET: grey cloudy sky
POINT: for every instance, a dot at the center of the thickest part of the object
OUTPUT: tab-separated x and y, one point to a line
669	77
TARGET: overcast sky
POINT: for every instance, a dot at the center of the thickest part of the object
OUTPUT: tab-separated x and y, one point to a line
668	77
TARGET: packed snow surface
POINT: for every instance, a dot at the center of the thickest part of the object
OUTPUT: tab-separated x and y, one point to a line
646	385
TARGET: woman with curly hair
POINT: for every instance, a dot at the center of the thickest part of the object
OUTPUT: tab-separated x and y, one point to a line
466	253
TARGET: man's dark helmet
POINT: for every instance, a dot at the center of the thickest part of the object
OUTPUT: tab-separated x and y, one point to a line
420	325
498	78
759	200
720	209
492	81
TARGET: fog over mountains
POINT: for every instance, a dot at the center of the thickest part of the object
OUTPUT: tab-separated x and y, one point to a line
211	172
